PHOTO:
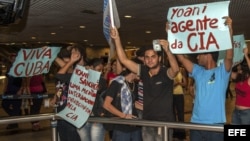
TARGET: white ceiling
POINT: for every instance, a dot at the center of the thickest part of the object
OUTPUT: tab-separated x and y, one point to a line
65	16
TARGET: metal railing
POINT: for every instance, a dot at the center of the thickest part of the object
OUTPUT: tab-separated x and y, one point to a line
164	125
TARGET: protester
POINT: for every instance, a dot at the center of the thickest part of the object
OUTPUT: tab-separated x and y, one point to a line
66	131
241	77
36	85
157	84
211	84
119	100
180	83
93	131
12	87
112	69
139	58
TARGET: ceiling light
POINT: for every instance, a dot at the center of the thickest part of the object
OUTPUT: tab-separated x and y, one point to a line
81	26
128	16
53	33
33	38
148	32
85	40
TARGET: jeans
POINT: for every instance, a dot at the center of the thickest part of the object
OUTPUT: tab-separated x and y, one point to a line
67	131
92	132
152	134
241	117
198	135
127	136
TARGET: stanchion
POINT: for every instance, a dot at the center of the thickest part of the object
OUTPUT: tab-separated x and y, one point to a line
53	124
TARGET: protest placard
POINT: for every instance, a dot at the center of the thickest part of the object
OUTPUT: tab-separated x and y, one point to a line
238	44
30	62
81	96
198	28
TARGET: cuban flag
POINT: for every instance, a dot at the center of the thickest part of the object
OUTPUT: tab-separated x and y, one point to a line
110	19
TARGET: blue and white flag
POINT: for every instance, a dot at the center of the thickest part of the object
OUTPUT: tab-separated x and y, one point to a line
110	18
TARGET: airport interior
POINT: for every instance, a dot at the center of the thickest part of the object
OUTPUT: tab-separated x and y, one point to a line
60	23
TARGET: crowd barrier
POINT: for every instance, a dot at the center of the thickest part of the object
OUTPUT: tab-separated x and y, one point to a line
26	96
164	125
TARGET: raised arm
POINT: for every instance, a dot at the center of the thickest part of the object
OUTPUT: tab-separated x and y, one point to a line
75	56
188	65
59	62
174	67
247	57
228	60
132	66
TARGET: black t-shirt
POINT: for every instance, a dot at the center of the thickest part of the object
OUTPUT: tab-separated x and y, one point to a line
98	108
14	84
62	87
114	92
157	95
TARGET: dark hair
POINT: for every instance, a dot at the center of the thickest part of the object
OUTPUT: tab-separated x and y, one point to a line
64	53
245	72
95	62
138	61
82	52
140	52
125	72
215	55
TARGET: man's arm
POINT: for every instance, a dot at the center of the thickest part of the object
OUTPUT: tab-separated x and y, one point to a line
228	60
174	67
188	65
246	57
132	66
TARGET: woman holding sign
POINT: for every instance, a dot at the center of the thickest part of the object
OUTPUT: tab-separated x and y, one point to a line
95	131
66	131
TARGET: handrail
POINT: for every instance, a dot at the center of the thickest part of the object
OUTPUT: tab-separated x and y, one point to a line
139	122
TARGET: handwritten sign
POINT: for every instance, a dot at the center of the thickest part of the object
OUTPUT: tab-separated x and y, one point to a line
198	28
30	62
81	96
238	44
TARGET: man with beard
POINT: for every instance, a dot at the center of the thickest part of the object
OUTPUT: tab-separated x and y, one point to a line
157	84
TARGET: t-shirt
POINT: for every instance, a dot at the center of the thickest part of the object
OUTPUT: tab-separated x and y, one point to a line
62	87
114	92
242	90
98	108
157	95
14	84
209	102
36	85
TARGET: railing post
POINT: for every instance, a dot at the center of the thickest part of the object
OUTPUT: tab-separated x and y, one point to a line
165	133
53	124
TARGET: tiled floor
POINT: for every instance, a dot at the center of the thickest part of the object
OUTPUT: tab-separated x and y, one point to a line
24	132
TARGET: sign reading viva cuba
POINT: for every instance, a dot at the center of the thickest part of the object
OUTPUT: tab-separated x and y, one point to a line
30	62
198	28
